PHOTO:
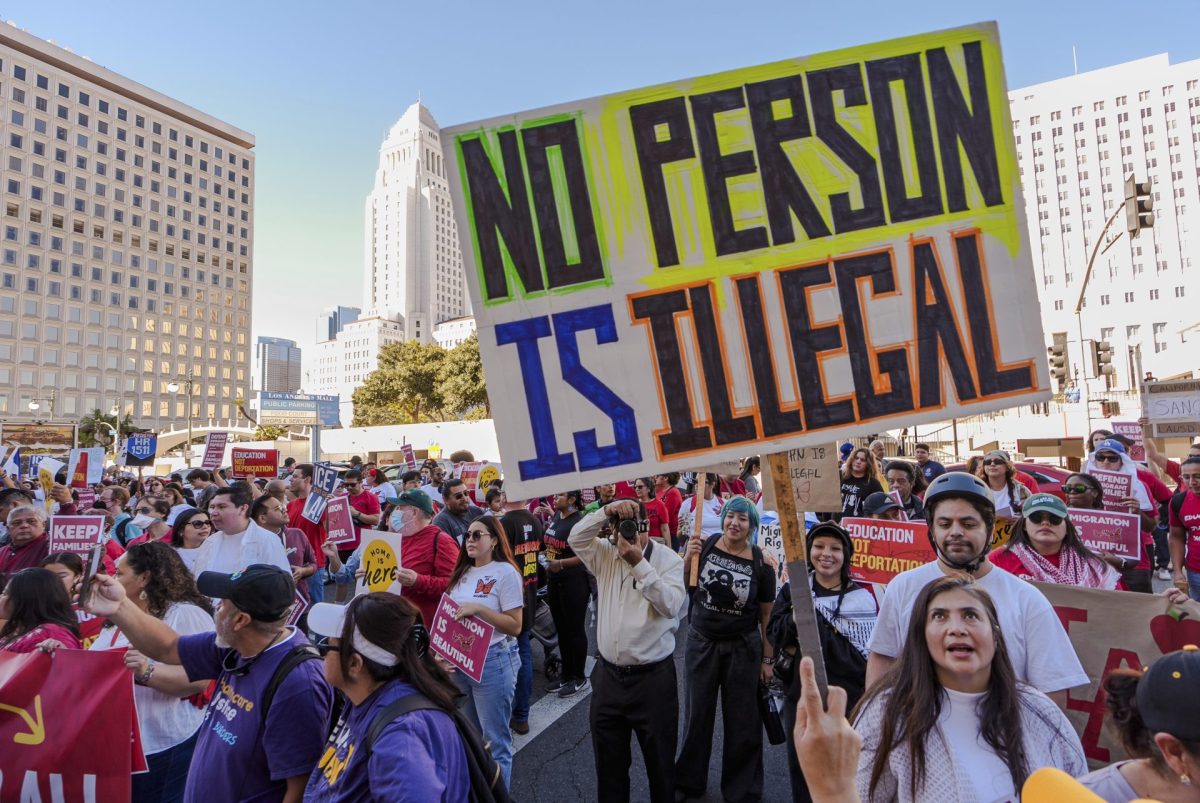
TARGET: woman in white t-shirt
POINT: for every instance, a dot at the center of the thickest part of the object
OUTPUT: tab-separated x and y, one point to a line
169	707
487	584
192	528
950	720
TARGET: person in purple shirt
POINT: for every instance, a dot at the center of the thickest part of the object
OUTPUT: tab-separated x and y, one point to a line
239	756
375	652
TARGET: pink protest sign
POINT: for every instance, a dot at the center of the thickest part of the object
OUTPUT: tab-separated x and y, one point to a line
338	523
1116	487
410	458
1133	431
464	644
299	606
76	534
214	450
1109	531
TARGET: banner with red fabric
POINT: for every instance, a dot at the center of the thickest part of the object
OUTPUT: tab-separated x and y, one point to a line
68	726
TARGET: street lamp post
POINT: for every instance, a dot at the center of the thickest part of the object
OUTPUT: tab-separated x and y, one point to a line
174	386
35	404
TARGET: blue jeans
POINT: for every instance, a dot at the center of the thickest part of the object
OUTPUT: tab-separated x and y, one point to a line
165	781
1193	579
520	711
489	704
316	586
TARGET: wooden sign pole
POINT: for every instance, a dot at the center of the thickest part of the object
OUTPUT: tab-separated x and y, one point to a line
698	502
795	549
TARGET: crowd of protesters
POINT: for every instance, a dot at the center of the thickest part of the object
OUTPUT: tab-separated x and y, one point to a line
948	686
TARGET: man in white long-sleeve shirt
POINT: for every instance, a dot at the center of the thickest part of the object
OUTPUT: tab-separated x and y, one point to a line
639	595
236	541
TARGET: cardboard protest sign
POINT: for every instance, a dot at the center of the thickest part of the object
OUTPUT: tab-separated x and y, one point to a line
381	554
751	261
325	480
770	540
1117	486
75	534
339	525
464	644
85	467
1111	630
816	483
67	733
1133	431
410	457
47	470
1109	531
259	462
883	549
1173	407
214	450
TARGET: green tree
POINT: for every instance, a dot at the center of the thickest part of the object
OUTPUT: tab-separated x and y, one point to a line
269	432
93	433
405	389
463	387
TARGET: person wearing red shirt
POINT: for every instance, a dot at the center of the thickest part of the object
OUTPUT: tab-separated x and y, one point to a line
656	511
1045	546
666	490
28	544
364	511
302	476
731	485
1185	530
429	554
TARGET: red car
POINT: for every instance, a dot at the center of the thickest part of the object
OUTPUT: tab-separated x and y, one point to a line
1049	478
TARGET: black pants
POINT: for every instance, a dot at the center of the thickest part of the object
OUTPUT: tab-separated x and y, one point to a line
642	701
731	667
1162	550
568	597
1138	580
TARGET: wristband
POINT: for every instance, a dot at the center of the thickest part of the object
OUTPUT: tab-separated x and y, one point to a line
144	678
768	661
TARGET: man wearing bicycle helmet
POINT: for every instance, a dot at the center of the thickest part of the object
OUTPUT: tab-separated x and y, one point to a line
960	513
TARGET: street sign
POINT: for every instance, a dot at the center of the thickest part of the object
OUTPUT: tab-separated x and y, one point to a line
298	409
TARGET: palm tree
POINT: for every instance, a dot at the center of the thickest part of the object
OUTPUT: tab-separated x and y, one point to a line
92	431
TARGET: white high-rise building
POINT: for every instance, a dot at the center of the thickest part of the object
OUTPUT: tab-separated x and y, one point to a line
128	233
1078	138
342	365
413	266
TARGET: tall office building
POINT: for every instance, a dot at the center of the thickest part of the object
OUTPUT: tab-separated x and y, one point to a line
333	319
276	365
128	234
1078	138
342	365
413	266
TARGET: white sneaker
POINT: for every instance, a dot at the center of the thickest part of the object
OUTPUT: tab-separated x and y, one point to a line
1164	574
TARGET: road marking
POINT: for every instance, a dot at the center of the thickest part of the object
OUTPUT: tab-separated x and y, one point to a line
548	710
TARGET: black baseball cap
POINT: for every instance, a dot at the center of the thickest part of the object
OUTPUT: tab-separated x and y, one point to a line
261	590
1166	694
878	503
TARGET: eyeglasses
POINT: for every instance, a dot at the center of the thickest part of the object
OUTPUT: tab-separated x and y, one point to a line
994	461
475	535
324	647
459	495
1108	458
200	523
1040	516
145	511
1080	488
350	484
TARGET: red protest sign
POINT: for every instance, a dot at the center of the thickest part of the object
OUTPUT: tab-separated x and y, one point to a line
1133	431
68	727
259	462
76	534
338	522
883	549
1109	531
410	457
299	606
1117	486
214	450
464	644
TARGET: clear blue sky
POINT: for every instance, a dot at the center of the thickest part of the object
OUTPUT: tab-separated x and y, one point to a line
319	84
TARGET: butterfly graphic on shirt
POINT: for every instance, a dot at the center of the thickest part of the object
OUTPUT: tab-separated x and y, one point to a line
484	587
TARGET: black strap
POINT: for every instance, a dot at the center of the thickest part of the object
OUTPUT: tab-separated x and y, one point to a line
1177	505
120	529
297	656
395	709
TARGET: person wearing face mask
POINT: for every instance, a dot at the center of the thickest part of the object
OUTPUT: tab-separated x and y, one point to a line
728	653
114	499
429	554
846	614
249	747
149	510
961	514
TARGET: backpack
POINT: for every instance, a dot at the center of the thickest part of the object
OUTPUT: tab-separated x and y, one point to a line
119	531
487	785
1176	504
298	655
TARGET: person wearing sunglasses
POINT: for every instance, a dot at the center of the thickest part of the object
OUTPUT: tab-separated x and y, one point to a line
191	528
458	513
656	511
486	584
1045	546
1111	457
376	652
997	471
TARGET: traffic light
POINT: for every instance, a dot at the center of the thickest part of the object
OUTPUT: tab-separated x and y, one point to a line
1102	358
1060	368
1138	203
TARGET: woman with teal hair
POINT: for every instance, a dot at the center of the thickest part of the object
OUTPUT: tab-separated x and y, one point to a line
727	652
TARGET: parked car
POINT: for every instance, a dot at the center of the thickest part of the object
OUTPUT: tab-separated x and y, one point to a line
1049	478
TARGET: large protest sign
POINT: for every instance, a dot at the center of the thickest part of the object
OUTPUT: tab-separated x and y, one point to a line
1109	531
214	450
1112	630
85	466
1117	486
339	523
1173	407
140	449
249	460
464	642
813	471
324	480
76	534
883	549
381	555
776	256
67	733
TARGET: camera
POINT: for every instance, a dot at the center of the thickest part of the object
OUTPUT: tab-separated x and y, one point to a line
627	528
